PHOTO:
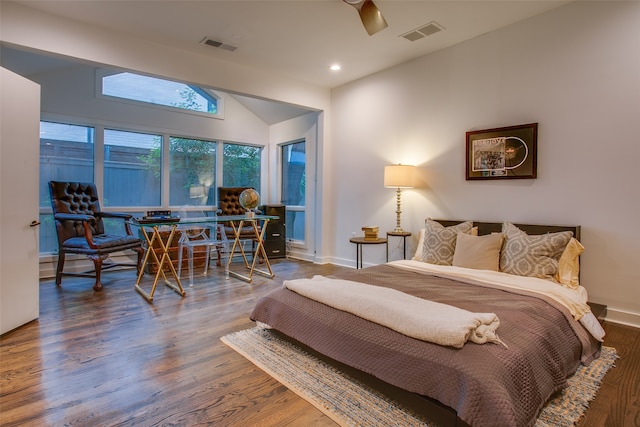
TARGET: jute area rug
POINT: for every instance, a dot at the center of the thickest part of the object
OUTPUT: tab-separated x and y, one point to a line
349	402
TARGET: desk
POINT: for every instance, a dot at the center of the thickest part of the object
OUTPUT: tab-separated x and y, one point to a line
359	241
151	233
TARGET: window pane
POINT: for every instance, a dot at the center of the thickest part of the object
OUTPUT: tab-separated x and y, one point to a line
293	187
192	172
241	166
295	225
66	154
132	168
160	92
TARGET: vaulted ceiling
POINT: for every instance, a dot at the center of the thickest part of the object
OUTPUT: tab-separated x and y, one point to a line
299	39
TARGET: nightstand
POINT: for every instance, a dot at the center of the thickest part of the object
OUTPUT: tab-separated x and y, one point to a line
404	235
359	241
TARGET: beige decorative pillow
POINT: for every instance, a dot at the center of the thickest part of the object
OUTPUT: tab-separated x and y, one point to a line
569	265
440	241
418	255
479	252
534	256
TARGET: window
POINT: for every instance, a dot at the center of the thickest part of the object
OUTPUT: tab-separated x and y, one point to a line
192	171
151	90
293	165
66	154
132	168
241	166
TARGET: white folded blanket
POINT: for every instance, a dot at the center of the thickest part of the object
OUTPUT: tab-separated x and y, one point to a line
412	316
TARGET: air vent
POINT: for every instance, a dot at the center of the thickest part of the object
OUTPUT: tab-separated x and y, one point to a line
219	45
421	32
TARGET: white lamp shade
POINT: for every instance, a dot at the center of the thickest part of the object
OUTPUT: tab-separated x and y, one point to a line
399	176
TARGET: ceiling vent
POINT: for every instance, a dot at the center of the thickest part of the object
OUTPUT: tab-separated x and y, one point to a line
219	45
426	30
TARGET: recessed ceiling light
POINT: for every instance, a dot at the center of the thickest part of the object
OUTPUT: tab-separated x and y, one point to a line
335	67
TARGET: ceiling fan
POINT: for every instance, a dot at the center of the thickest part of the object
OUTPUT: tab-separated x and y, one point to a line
371	17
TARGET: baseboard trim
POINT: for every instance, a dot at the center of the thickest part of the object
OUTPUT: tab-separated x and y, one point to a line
623	317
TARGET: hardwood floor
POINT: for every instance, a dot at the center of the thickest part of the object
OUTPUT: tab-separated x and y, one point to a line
111	359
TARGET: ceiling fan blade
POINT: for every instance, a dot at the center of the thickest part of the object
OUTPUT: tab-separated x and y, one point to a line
370	15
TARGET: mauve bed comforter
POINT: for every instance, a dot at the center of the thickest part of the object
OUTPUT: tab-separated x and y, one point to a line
487	385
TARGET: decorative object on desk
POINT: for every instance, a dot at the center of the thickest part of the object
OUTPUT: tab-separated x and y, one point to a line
249	199
398	177
370	232
502	153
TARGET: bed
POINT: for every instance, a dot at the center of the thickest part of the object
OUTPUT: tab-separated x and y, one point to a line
524	275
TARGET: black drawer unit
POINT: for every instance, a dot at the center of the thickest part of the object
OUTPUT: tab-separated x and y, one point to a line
275	244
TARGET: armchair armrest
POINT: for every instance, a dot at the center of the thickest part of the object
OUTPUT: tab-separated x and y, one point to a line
121	215
219	212
73	217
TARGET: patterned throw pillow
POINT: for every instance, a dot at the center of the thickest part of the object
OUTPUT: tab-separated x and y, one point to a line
534	256
440	241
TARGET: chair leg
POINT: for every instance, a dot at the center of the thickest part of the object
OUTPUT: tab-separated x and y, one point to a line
97	263
206	260
140	252
180	249
190	262
61	256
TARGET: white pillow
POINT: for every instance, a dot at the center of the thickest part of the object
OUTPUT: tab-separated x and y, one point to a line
478	252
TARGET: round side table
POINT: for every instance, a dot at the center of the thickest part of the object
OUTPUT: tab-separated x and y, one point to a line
359	241
404	235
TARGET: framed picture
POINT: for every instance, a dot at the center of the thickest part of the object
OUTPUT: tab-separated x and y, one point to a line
502	153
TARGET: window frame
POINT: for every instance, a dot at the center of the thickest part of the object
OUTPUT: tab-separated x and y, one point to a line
295	208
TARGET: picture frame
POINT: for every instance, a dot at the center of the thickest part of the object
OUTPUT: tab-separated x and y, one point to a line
502	153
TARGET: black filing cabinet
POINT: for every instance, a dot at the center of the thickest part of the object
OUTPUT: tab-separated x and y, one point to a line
275	236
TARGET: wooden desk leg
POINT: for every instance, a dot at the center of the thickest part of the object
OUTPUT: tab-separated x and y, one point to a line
160	263
259	250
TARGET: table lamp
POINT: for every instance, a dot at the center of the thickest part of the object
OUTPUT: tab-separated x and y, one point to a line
398	176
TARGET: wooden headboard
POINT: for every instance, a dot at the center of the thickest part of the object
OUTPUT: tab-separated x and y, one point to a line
496	227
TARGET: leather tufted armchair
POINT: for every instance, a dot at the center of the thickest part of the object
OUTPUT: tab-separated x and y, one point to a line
229	204
80	229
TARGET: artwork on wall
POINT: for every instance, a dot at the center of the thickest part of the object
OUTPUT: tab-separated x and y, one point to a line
502	153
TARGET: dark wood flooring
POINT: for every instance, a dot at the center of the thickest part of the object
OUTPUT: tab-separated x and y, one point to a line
111	359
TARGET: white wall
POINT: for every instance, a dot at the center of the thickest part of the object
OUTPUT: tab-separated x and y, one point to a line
575	71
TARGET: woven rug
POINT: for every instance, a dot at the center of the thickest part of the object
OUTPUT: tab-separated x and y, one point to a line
350	402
